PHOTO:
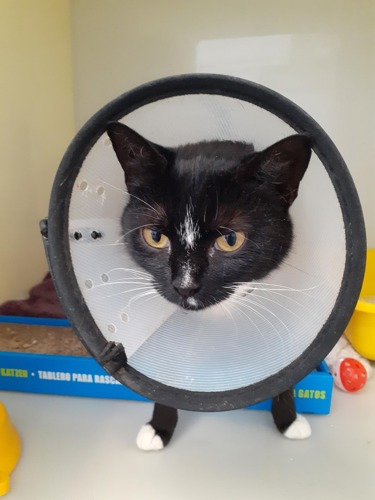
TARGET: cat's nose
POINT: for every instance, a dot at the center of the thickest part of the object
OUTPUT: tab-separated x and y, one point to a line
185	289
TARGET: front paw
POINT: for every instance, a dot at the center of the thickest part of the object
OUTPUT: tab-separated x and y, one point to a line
148	439
299	429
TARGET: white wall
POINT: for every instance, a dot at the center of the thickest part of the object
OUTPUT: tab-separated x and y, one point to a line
36	123
320	54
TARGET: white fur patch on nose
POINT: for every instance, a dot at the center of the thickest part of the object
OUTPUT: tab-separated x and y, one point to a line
189	230
187	277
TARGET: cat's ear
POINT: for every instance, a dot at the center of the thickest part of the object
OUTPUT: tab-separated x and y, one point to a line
284	164
143	162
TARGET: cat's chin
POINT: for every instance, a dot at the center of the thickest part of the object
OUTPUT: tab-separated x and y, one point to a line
191	304
195	304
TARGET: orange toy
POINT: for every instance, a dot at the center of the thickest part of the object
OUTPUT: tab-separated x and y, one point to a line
10	449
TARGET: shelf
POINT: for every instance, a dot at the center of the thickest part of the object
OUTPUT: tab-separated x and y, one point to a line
84	449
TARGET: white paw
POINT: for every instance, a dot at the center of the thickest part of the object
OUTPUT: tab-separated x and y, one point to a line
299	429
148	440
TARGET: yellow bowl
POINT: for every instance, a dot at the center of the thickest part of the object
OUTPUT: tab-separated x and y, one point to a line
361	328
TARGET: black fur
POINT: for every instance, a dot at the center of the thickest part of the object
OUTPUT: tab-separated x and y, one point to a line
283	410
164	421
225	186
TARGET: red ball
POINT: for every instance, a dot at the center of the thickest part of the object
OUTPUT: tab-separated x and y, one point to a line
352	374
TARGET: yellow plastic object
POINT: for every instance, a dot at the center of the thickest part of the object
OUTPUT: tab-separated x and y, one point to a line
10	449
361	329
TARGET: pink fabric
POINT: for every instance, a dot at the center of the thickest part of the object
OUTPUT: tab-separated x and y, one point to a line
41	303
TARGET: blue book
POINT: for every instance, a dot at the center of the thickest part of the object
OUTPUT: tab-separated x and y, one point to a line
83	376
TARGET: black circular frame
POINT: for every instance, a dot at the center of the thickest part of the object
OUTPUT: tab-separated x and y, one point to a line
70	295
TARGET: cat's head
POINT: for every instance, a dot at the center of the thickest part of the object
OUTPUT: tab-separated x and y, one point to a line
205	217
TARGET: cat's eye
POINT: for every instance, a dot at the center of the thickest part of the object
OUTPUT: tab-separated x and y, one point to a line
230	242
155	238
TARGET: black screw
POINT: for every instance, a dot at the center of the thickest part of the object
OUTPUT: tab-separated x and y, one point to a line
77	235
95	235
43	226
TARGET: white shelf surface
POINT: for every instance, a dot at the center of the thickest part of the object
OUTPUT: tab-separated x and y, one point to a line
84	449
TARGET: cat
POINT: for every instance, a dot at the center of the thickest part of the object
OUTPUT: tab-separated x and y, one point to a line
203	217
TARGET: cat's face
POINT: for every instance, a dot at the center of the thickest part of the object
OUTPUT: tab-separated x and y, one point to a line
205	217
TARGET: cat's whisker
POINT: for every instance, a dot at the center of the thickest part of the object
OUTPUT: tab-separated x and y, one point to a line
283	287
148	287
122	282
267	310
145	202
227	311
162	211
262	256
131	270
293	313
291	299
140	296
236	306
120	238
282	291
111	244
246	239
217	205
153	292
240	304
204	214
147	212
136	228
247	305
297	269
282	296
279	288
112	186
153	296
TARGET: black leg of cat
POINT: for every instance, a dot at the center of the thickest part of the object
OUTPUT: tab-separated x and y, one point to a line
158	432
287	420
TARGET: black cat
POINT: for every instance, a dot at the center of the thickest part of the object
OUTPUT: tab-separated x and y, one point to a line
201	219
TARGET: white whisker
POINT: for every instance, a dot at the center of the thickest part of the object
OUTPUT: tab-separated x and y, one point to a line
279	305
238	309
263	318
139	227
136	197
145	202
264	308
291	299
130	269
276	287
147	287
110	244
225	309
122	282
139	296
112	186
247	239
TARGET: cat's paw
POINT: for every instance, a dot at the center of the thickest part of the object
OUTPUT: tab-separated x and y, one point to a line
148	439
299	429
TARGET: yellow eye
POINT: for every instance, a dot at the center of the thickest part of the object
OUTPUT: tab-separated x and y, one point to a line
155	238
230	242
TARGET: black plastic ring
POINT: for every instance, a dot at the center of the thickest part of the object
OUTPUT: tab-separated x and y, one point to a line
70	295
